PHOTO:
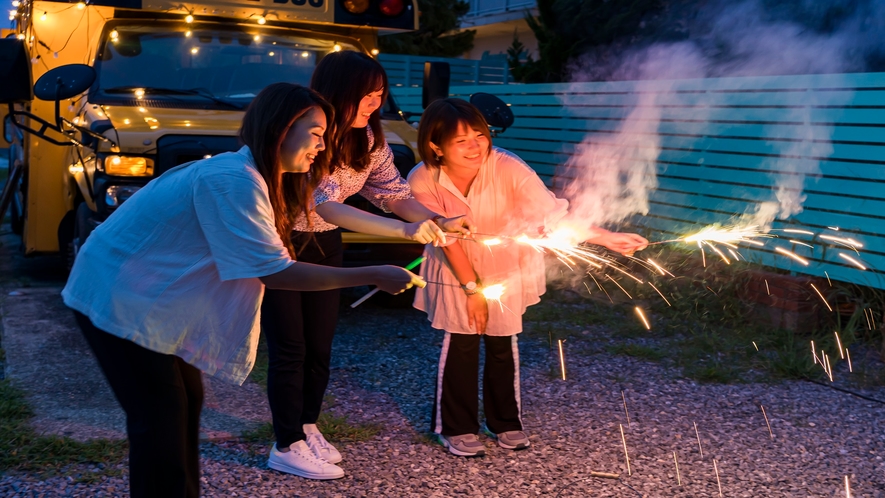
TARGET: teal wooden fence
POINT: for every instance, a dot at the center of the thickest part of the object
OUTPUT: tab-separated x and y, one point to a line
408	70
724	146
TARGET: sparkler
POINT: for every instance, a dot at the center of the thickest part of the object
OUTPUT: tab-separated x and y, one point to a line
755	346
626	456
561	359
792	255
675	461
718	482
659	293
625	408
848	356
698	434
642	317
493	292
766	288
822	298
766	422
410	266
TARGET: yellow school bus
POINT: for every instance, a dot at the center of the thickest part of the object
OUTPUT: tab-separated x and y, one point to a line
171	84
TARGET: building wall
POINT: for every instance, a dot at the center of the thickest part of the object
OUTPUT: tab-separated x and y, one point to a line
495	21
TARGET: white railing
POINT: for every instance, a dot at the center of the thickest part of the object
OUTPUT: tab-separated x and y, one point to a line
487	7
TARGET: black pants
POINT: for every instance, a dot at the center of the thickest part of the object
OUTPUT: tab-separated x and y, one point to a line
456	406
162	396
299	327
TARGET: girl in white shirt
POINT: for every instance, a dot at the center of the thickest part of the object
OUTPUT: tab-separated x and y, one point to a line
462	174
171	284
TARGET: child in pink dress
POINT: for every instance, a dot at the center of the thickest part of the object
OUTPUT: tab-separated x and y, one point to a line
462	174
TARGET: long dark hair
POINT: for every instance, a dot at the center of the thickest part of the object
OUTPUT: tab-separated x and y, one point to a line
267	121
344	78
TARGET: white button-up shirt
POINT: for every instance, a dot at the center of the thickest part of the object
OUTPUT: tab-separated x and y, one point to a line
175	269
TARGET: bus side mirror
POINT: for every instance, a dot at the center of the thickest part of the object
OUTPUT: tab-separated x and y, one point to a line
15	87
436	82
64	82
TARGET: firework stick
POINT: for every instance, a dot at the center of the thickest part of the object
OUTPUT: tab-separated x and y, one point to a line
605	475
410	266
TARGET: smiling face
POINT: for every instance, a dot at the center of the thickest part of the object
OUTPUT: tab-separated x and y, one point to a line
368	104
465	151
302	142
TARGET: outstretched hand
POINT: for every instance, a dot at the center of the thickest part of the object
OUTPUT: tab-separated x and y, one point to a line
394	280
458	224
624	243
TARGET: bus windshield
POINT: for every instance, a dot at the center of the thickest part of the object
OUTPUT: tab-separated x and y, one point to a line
212	63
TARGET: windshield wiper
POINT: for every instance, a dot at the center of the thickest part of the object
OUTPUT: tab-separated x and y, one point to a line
198	92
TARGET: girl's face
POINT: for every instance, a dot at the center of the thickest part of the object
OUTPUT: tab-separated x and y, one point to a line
369	104
466	150
302	142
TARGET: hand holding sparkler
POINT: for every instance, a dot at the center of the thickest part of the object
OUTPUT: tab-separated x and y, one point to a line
459	224
624	243
393	280
477	312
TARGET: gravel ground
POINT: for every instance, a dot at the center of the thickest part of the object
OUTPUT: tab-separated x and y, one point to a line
383	373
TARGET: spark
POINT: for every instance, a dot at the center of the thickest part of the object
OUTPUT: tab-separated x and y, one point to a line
493	292
659	292
822	298
755	346
642	317
626	456
717	251
734	254
867	316
561	359
718	482
829	368
839	344
766	422
766	288
658	267
588	288
828	278
792	241
844	241
852	260
698	434
602	289
733	234
703	255
814	352
619	286
834	228
791	255
492	242
678	478
625	408
848	357
795	230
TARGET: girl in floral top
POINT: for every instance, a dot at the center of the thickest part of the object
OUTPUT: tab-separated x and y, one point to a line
462	174
299	326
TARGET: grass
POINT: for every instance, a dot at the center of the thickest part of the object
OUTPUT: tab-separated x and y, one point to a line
21	449
711	330
335	428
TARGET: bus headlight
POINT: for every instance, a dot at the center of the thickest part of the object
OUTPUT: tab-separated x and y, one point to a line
128	166
117	194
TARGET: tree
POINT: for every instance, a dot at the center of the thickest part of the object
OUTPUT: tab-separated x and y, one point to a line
436	35
567	28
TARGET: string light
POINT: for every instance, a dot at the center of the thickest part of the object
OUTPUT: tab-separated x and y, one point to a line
81	5
187	34
195	50
16	3
256	38
114	35
336	48
375	51
43	17
261	20
305	54
188	18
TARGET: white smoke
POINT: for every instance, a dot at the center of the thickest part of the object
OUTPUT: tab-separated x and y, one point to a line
611	174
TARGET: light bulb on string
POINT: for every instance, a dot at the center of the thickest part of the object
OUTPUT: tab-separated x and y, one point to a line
81	5
261	20
336	48
16	3
187	34
375	51
188	18
43	17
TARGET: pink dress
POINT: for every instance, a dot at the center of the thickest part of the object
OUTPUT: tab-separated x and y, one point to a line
507	198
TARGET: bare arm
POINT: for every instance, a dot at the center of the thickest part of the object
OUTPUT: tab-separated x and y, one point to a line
358	220
311	277
410	209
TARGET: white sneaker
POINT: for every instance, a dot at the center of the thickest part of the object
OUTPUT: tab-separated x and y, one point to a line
319	446
299	460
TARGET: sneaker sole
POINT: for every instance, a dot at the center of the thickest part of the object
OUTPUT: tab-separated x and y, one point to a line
301	473
458	452
520	446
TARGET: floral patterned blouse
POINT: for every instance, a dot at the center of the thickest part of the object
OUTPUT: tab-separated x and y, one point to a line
380	183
